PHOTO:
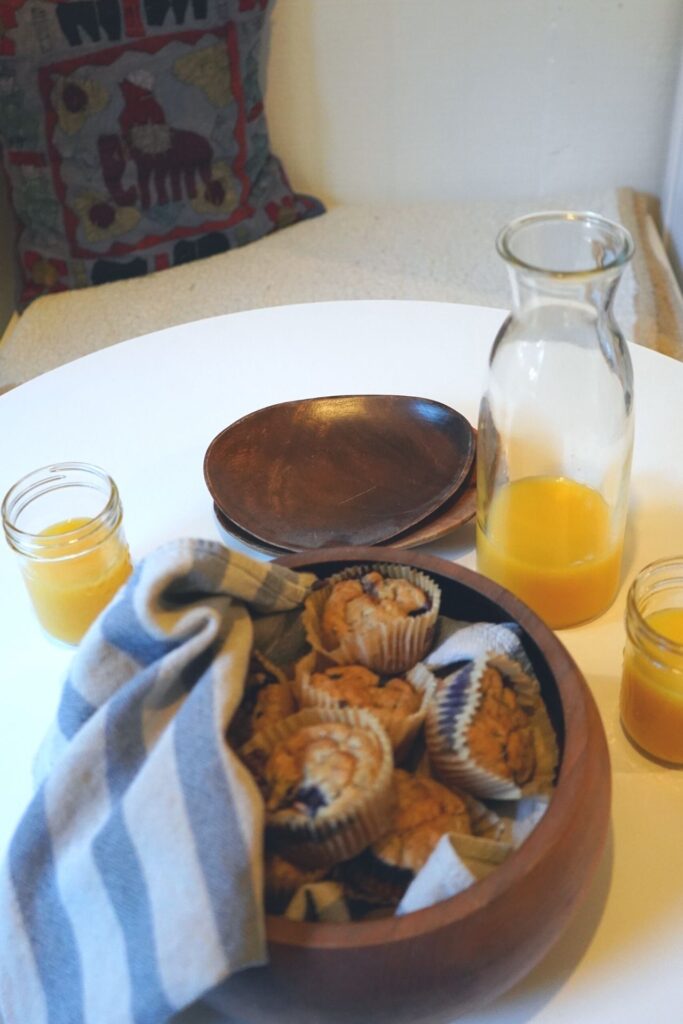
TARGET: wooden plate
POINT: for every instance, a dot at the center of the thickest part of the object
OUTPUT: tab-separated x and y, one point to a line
459	509
346	469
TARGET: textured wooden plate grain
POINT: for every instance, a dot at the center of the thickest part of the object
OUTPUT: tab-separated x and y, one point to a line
460	508
345	469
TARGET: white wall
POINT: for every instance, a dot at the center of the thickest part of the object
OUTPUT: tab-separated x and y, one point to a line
672	199
391	100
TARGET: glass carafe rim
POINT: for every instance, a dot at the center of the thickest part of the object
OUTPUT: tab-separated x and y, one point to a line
623	254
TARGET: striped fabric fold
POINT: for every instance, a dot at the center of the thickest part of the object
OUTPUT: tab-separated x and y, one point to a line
133	882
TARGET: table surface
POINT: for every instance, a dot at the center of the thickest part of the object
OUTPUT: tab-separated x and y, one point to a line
147	409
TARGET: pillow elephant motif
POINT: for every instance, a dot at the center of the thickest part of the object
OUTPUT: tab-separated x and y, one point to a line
134	137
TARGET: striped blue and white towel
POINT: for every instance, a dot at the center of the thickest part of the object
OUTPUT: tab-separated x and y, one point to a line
133	881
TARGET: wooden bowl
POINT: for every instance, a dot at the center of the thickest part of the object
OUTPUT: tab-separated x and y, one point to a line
435	964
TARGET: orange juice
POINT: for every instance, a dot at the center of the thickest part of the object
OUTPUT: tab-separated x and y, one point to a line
550	541
652	687
72	582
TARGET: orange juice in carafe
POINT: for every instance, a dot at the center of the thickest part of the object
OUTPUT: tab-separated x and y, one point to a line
555	433
549	540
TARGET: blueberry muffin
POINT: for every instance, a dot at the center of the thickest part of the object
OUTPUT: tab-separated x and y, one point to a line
489	732
399	702
500	735
359	604
325	777
424	811
382	617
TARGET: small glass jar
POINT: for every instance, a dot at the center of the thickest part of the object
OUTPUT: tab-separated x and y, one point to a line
652	681
556	420
65	522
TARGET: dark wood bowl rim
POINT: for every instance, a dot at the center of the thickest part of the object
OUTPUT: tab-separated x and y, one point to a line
569	680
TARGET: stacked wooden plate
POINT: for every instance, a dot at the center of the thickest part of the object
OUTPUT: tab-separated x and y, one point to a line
343	470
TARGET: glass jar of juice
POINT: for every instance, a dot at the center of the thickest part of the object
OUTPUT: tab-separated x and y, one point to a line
65	522
556	420
652	681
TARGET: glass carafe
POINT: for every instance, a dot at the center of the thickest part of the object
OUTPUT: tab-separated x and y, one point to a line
556	421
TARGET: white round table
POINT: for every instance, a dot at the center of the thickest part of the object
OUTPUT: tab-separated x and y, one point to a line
147	409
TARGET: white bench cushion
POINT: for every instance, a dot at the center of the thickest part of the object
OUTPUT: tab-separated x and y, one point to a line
437	252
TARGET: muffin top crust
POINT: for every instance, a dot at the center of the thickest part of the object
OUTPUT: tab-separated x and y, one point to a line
319	771
424	811
358	686
500	737
357	604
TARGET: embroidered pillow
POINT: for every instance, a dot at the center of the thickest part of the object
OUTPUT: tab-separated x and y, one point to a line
134	137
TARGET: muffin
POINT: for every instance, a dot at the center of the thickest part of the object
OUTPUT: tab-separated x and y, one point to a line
371	600
267	699
382	617
325	776
424	811
399	702
489	733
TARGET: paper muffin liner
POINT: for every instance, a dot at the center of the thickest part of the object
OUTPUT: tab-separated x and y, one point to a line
283	880
338	832
385	647
402	729
484	821
370	883
519	818
479	854
268	665
319	901
449	716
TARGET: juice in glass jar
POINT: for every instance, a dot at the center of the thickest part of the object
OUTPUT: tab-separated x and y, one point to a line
65	523
73	582
651	696
550	541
